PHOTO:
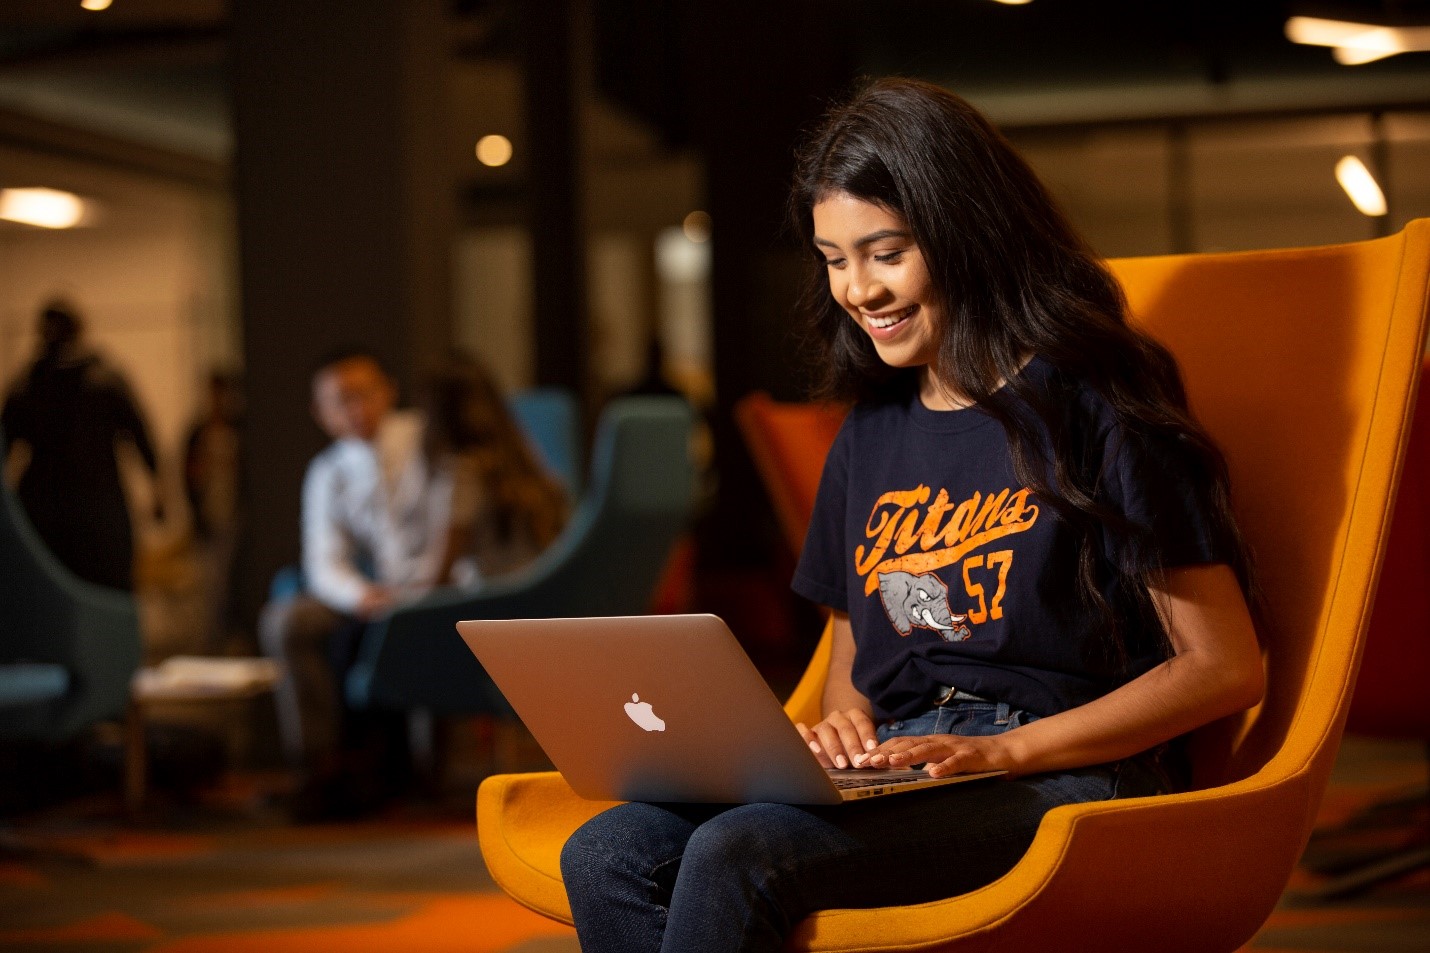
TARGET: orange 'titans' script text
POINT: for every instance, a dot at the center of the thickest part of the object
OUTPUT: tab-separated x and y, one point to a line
897	523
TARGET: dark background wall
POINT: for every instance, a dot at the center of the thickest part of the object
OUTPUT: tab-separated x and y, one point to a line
344	223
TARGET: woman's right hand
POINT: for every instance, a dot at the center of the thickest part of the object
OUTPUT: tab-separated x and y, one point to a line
843	739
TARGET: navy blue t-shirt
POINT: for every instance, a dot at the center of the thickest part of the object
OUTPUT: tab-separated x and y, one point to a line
955	574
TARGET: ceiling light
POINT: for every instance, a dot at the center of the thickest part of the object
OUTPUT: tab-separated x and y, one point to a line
1361	186
47	208
493	150
1013	3
1363	53
1355	43
95	5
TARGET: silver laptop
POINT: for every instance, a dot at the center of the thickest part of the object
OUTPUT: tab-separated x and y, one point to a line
663	708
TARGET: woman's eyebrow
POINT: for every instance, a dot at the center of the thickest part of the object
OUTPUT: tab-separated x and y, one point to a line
869	239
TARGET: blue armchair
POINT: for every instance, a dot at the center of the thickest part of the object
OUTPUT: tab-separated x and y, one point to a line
68	648
607	562
551	421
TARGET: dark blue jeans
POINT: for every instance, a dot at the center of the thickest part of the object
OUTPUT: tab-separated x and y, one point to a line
706	878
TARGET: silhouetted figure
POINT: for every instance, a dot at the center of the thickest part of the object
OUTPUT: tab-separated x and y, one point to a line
67	413
211	468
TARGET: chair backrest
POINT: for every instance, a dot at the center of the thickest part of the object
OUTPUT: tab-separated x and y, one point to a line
551	420
1302	364
605	563
1299	362
1392	697
788	443
50	616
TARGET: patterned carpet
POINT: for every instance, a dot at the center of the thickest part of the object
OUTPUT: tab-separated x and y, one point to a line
1377	802
223	873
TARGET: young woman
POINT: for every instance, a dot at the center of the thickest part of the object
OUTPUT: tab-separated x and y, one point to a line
1025	539
505	508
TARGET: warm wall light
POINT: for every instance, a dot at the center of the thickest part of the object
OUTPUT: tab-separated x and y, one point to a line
1368	50
697	226
1356	43
1013	3
95	4
1361	186
47	208
493	150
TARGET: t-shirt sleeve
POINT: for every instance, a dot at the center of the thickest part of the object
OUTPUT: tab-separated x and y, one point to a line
820	575
1159	486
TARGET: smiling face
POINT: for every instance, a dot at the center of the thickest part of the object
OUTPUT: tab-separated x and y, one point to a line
878	275
351	397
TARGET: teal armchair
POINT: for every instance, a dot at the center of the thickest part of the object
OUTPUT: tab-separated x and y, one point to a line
550	419
68	648
607	562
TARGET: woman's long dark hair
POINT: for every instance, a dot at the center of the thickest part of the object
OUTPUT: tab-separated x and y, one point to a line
467	414
1014	280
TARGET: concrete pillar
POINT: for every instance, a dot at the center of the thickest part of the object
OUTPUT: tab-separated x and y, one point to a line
754	90
344	218
551	67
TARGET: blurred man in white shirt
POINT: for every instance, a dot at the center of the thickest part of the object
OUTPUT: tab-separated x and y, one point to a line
372	536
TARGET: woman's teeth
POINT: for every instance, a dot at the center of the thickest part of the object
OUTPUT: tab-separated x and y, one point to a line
888	321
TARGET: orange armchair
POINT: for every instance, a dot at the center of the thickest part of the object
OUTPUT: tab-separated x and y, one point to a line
1303	363
788	443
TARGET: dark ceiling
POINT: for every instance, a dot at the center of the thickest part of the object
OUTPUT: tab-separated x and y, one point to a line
1055	42
176	48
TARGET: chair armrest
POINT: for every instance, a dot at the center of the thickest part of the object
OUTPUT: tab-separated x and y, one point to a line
1092	881
522	822
806	702
1083	885
421	657
93	633
31	683
106	650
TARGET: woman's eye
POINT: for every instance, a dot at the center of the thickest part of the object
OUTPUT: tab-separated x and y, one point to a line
834	262
890	258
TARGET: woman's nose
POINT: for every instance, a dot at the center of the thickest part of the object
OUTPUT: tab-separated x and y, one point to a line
861	289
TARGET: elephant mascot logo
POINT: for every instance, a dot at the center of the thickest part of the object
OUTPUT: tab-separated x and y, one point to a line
920	602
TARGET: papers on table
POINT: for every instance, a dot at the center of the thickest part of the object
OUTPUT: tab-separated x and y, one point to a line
197	676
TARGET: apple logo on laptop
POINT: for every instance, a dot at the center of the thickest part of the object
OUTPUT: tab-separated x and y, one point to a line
642	714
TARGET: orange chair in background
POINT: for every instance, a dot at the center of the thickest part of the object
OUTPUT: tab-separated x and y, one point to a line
788	443
1303	364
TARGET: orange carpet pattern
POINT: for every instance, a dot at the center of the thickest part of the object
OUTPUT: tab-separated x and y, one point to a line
482	923
194	879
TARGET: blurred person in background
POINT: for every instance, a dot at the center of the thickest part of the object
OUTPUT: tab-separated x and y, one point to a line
65	418
211	468
372	535
505	508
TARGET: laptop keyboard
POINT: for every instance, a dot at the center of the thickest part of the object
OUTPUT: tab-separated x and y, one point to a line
876	780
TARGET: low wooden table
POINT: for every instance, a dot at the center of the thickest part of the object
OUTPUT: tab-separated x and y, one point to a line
188	679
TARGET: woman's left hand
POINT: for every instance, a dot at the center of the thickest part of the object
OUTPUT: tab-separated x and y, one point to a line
946	754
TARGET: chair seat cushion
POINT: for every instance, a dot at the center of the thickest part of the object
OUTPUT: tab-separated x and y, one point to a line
29	683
